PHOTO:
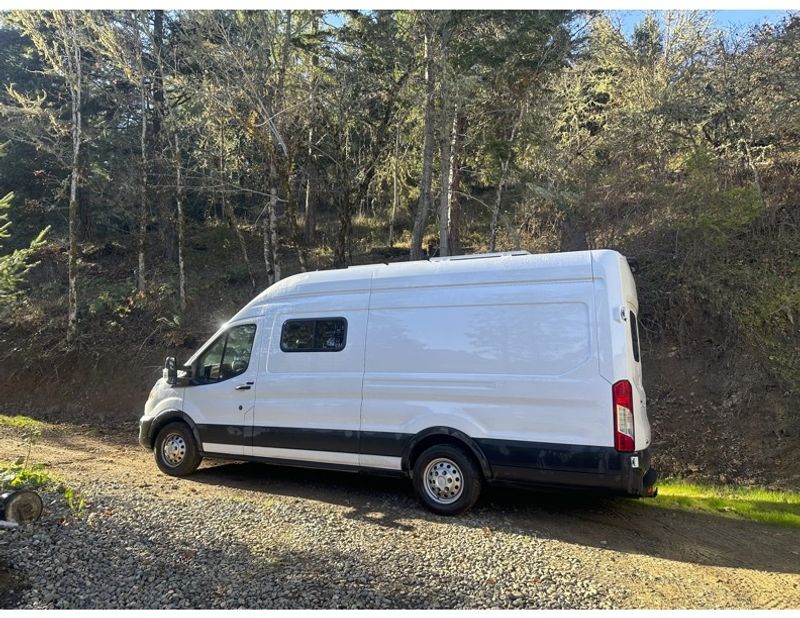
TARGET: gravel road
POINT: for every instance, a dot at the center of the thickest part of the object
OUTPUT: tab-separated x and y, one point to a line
254	536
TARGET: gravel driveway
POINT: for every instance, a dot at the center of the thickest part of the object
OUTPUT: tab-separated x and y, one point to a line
288	554
255	536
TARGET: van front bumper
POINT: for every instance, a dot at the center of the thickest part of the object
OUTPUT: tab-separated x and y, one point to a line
145	439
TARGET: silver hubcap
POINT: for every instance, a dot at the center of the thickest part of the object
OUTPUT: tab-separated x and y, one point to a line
173	449
444	482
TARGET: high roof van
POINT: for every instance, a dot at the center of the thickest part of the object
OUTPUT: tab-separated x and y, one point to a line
505	368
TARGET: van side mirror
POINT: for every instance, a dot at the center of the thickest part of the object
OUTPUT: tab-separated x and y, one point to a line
171	370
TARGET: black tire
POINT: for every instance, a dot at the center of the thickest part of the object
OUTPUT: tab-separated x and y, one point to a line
186	455
459	471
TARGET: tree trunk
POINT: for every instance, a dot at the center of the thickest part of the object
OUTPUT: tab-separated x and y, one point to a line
454	212
394	187
273	233
342	254
445	152
504	165
270	226
177	160
445	143
227	209
266	236
444	197
271	239
142	235
270	231
291	215
427	159
75	92
160	145
230	215
158	81
84	214
310	218
267	247
310	215
496	210
181	224
287	40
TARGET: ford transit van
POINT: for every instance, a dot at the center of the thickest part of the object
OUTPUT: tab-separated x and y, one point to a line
505	368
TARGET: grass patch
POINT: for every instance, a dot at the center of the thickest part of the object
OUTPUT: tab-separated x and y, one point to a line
15	476
21	422
754	503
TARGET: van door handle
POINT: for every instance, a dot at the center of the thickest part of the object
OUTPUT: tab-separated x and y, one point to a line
244	387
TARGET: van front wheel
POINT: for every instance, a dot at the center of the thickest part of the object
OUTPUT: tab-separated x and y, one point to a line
175	450
446	479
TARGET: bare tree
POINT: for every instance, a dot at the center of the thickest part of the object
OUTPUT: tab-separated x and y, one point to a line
142	230
74	74
58	38
394	186
427	151
505	165
445	135
454	203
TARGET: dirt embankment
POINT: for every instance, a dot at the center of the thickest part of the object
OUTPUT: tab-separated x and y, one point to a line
716	418
713	418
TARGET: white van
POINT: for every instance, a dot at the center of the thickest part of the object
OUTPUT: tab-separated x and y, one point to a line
505	368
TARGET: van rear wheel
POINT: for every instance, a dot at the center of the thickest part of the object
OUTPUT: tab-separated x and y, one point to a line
176	451
446	479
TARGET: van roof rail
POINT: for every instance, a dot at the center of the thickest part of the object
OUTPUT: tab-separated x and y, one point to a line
477	256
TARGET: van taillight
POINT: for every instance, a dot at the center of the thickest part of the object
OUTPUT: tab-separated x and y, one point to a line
623	416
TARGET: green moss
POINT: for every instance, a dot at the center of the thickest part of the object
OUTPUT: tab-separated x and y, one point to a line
21	422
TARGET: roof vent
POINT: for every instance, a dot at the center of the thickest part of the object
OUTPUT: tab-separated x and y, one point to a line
361	266
478	256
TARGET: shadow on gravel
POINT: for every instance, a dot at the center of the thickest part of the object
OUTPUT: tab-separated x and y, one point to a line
145	561
619	524
382	501
11	586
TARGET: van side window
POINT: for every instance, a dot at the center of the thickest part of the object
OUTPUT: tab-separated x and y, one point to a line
314	335
228	356
634	336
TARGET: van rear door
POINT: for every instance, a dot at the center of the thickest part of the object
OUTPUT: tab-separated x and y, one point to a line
641	422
